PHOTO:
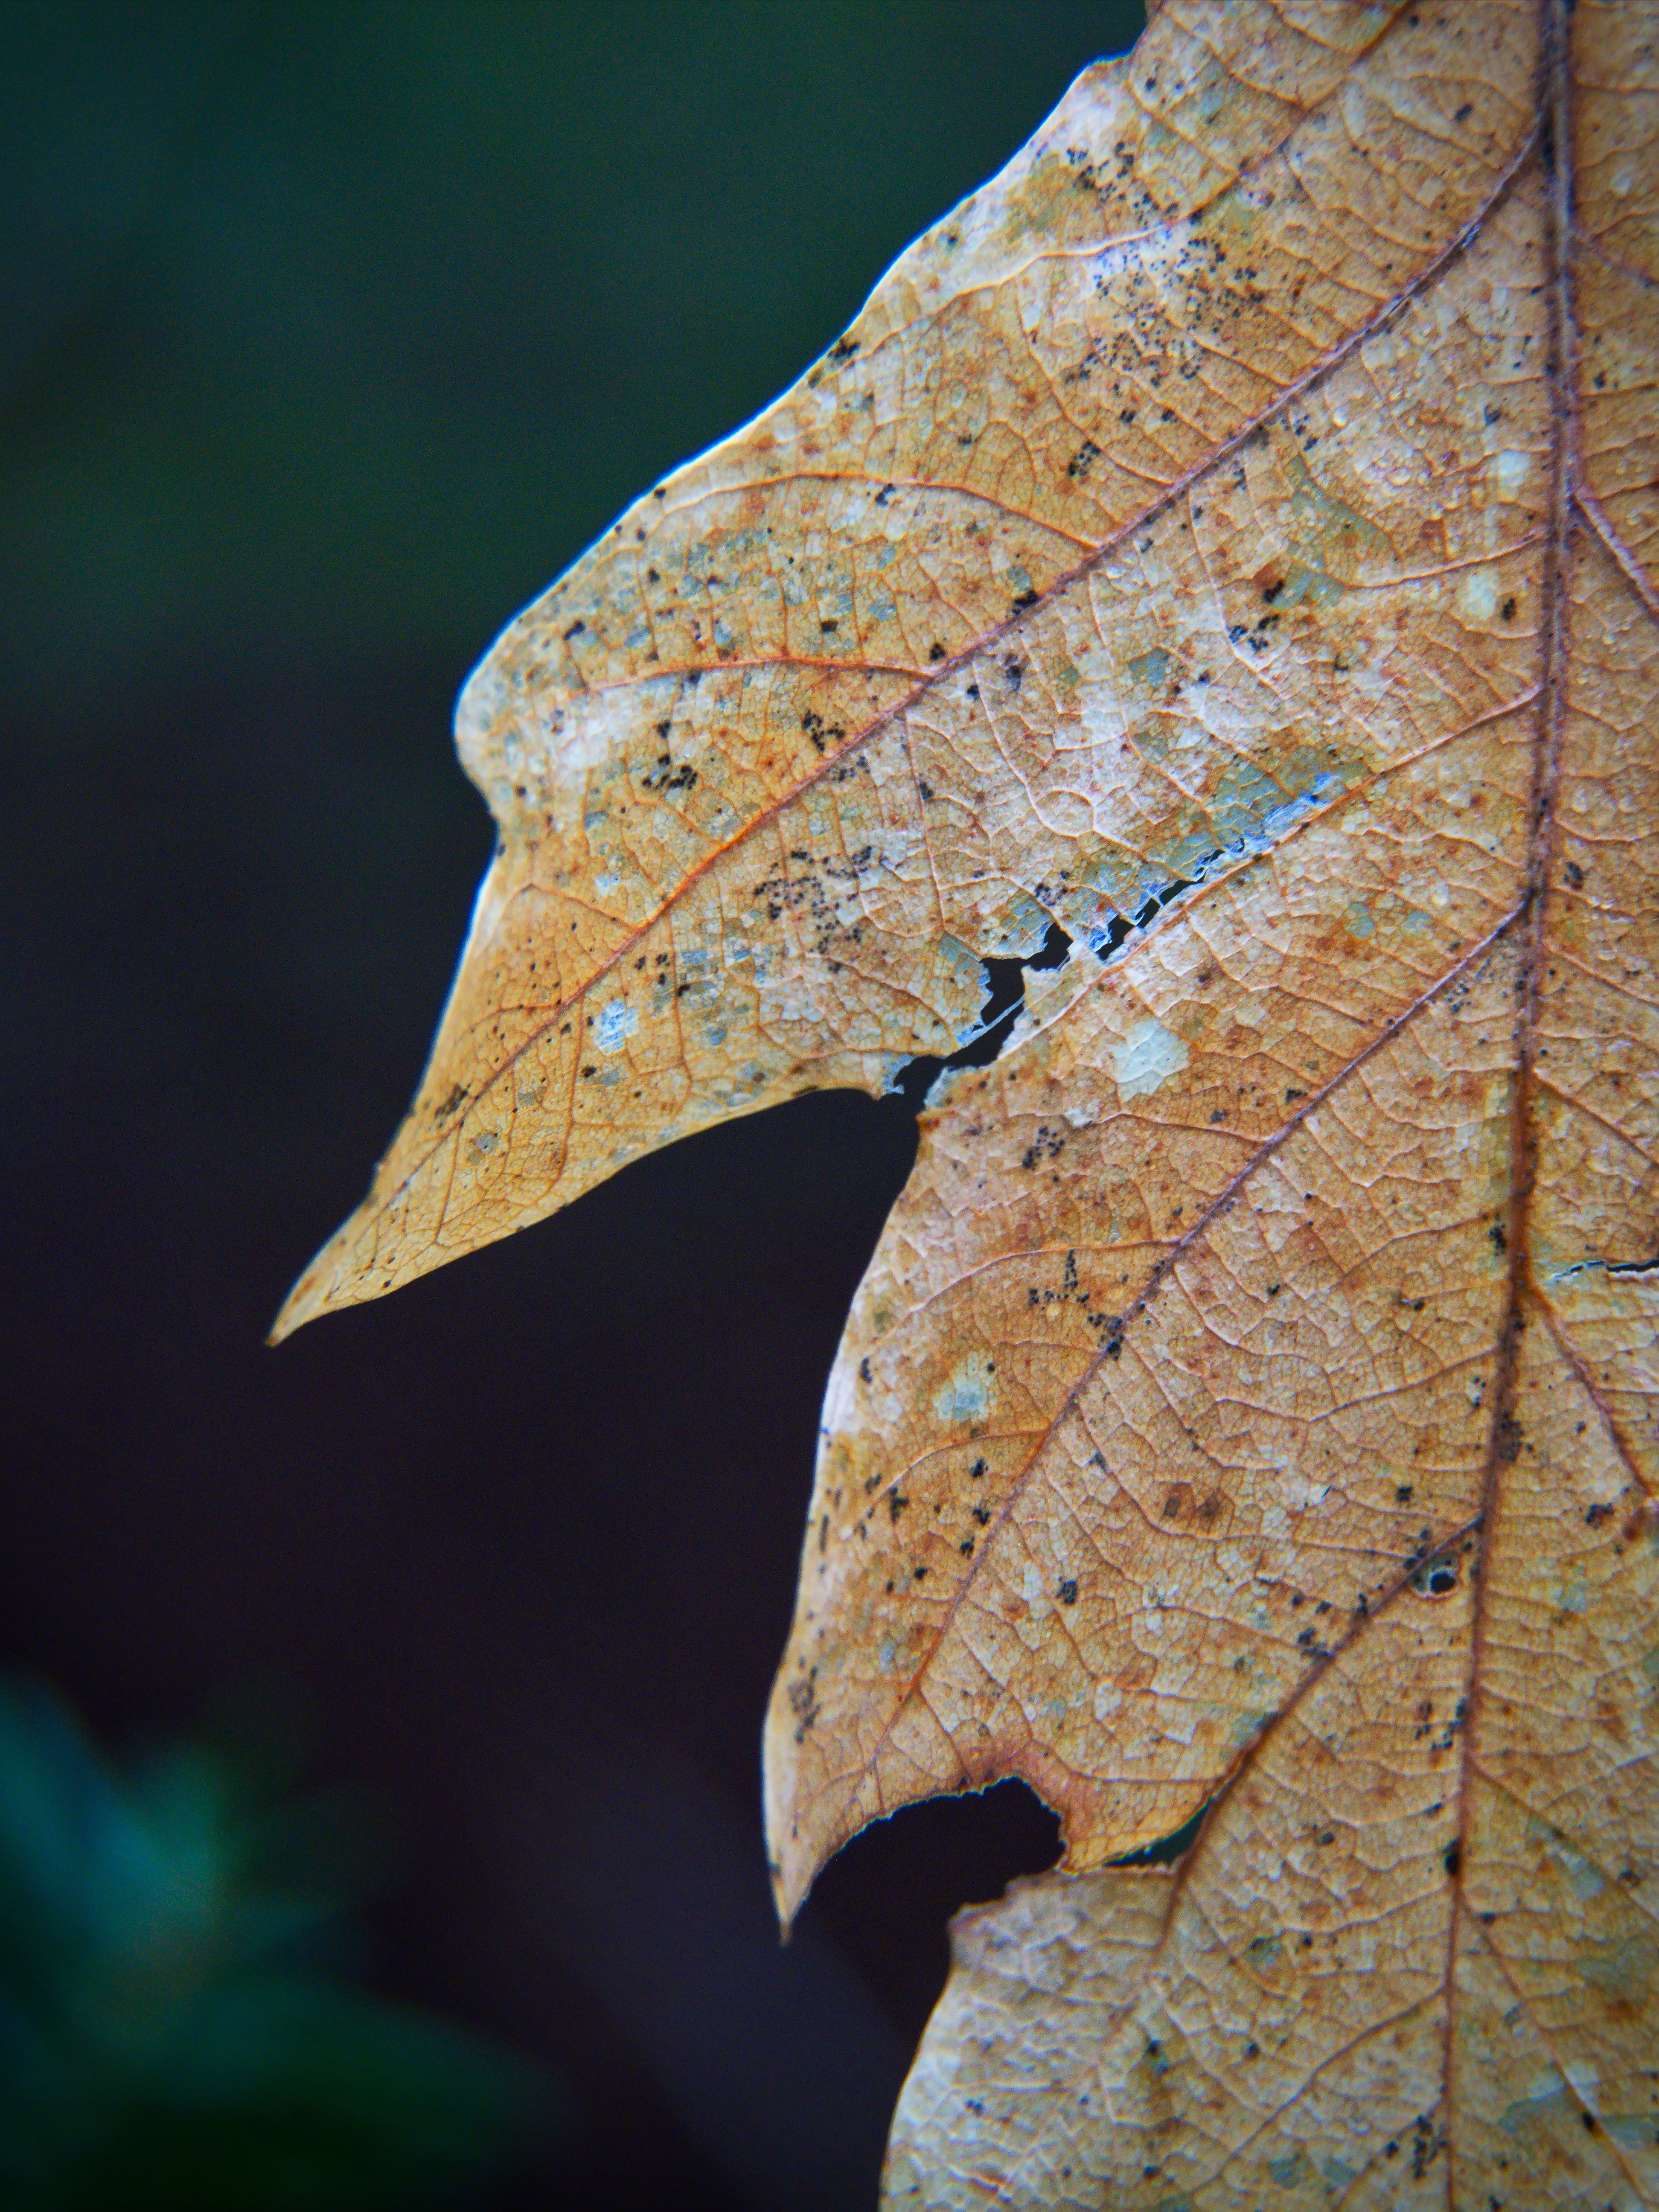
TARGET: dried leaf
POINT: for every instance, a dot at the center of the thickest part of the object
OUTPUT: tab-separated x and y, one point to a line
1228	538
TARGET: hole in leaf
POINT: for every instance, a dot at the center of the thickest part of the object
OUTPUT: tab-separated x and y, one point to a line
1436	1579
1005	997
1103	942
889	1896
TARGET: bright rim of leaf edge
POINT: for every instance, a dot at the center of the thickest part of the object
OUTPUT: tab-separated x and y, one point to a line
1228	536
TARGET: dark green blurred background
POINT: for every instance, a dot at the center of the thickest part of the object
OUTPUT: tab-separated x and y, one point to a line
330	336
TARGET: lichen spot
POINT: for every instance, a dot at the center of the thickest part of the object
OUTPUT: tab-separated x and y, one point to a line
614	1024
1148	1056
1510	471
965	1395
1476	595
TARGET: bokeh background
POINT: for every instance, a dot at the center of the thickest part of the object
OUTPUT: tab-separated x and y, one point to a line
330	334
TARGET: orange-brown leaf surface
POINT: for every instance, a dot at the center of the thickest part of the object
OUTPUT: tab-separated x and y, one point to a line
1222	554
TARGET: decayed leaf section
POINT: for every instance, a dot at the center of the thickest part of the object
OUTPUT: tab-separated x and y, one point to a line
757	834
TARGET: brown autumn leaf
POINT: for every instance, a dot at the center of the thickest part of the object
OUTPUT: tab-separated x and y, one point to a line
1222	548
